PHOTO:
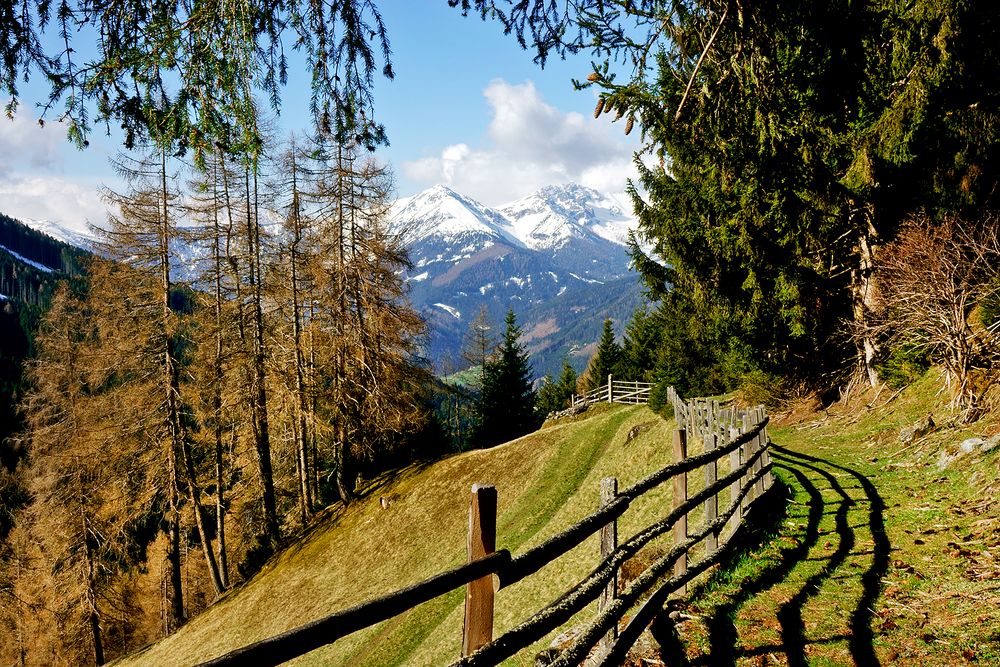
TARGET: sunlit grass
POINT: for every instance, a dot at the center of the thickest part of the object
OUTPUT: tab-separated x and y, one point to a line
545	482
814	589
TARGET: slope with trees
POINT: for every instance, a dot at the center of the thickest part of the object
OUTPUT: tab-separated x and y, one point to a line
149	399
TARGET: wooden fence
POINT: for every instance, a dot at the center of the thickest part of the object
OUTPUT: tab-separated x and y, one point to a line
616	391
735	467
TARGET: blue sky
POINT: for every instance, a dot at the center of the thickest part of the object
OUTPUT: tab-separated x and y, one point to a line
467	108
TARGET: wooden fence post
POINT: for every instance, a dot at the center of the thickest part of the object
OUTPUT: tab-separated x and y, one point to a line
478	630
611	397
761	444
766	458
680	496
712	503
609	542
734	488
754	448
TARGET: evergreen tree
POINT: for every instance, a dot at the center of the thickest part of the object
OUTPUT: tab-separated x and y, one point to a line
567	381
555	395
605	361
506	399
548	399
641	340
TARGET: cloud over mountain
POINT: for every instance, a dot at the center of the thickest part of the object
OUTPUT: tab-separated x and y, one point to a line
530	142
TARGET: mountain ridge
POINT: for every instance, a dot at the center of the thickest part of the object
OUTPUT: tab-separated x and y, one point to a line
557	256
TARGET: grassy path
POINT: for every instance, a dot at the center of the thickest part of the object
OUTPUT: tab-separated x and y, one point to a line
857	558
805	595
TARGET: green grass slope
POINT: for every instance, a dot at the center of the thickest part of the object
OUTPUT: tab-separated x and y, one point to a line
545	482
875	554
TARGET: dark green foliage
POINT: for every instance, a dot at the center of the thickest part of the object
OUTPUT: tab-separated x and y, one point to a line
548	399
794	140
904	365
17	322
989	306
39	247
639	347
27	291
452	407
191	77
554	396
506	399
606	359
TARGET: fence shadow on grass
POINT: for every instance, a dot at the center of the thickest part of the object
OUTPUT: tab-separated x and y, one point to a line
861	640
763	525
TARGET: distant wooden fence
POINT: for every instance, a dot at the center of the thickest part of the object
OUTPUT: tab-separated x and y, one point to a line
616	391
735	466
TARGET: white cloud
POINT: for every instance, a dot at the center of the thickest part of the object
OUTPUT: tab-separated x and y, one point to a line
43	177
72	204
530	144
24	142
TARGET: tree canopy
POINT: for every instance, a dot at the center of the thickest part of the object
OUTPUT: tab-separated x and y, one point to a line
192	74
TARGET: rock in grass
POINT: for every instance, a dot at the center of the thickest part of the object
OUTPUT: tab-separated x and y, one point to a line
577	409
915	430
990	444
970	445
945	460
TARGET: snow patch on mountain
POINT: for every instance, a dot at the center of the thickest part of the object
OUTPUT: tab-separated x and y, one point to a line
590	281
444	214
31	263
76	233
451	311
554	215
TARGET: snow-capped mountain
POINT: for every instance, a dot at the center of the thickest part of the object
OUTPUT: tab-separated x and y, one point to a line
555	215
75	233
558	257
442	212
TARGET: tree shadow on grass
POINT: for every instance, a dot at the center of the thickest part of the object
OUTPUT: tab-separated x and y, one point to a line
763	524
790	613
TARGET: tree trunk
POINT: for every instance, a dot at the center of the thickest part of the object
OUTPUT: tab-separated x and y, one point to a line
217	379
171	381
93	617
173	590
302	451
258	404
864	295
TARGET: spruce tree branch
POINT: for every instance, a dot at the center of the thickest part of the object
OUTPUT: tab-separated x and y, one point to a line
697	65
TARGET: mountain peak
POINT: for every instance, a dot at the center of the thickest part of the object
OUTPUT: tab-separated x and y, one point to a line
553	215
439	211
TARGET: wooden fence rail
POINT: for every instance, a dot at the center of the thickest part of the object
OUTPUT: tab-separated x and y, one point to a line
739	435
616	391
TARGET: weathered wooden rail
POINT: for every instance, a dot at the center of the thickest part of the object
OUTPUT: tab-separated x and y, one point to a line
616	391
735	438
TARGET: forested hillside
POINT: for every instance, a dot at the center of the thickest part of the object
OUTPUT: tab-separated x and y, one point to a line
32	265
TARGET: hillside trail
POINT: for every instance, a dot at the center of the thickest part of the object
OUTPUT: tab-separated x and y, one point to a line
806	593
